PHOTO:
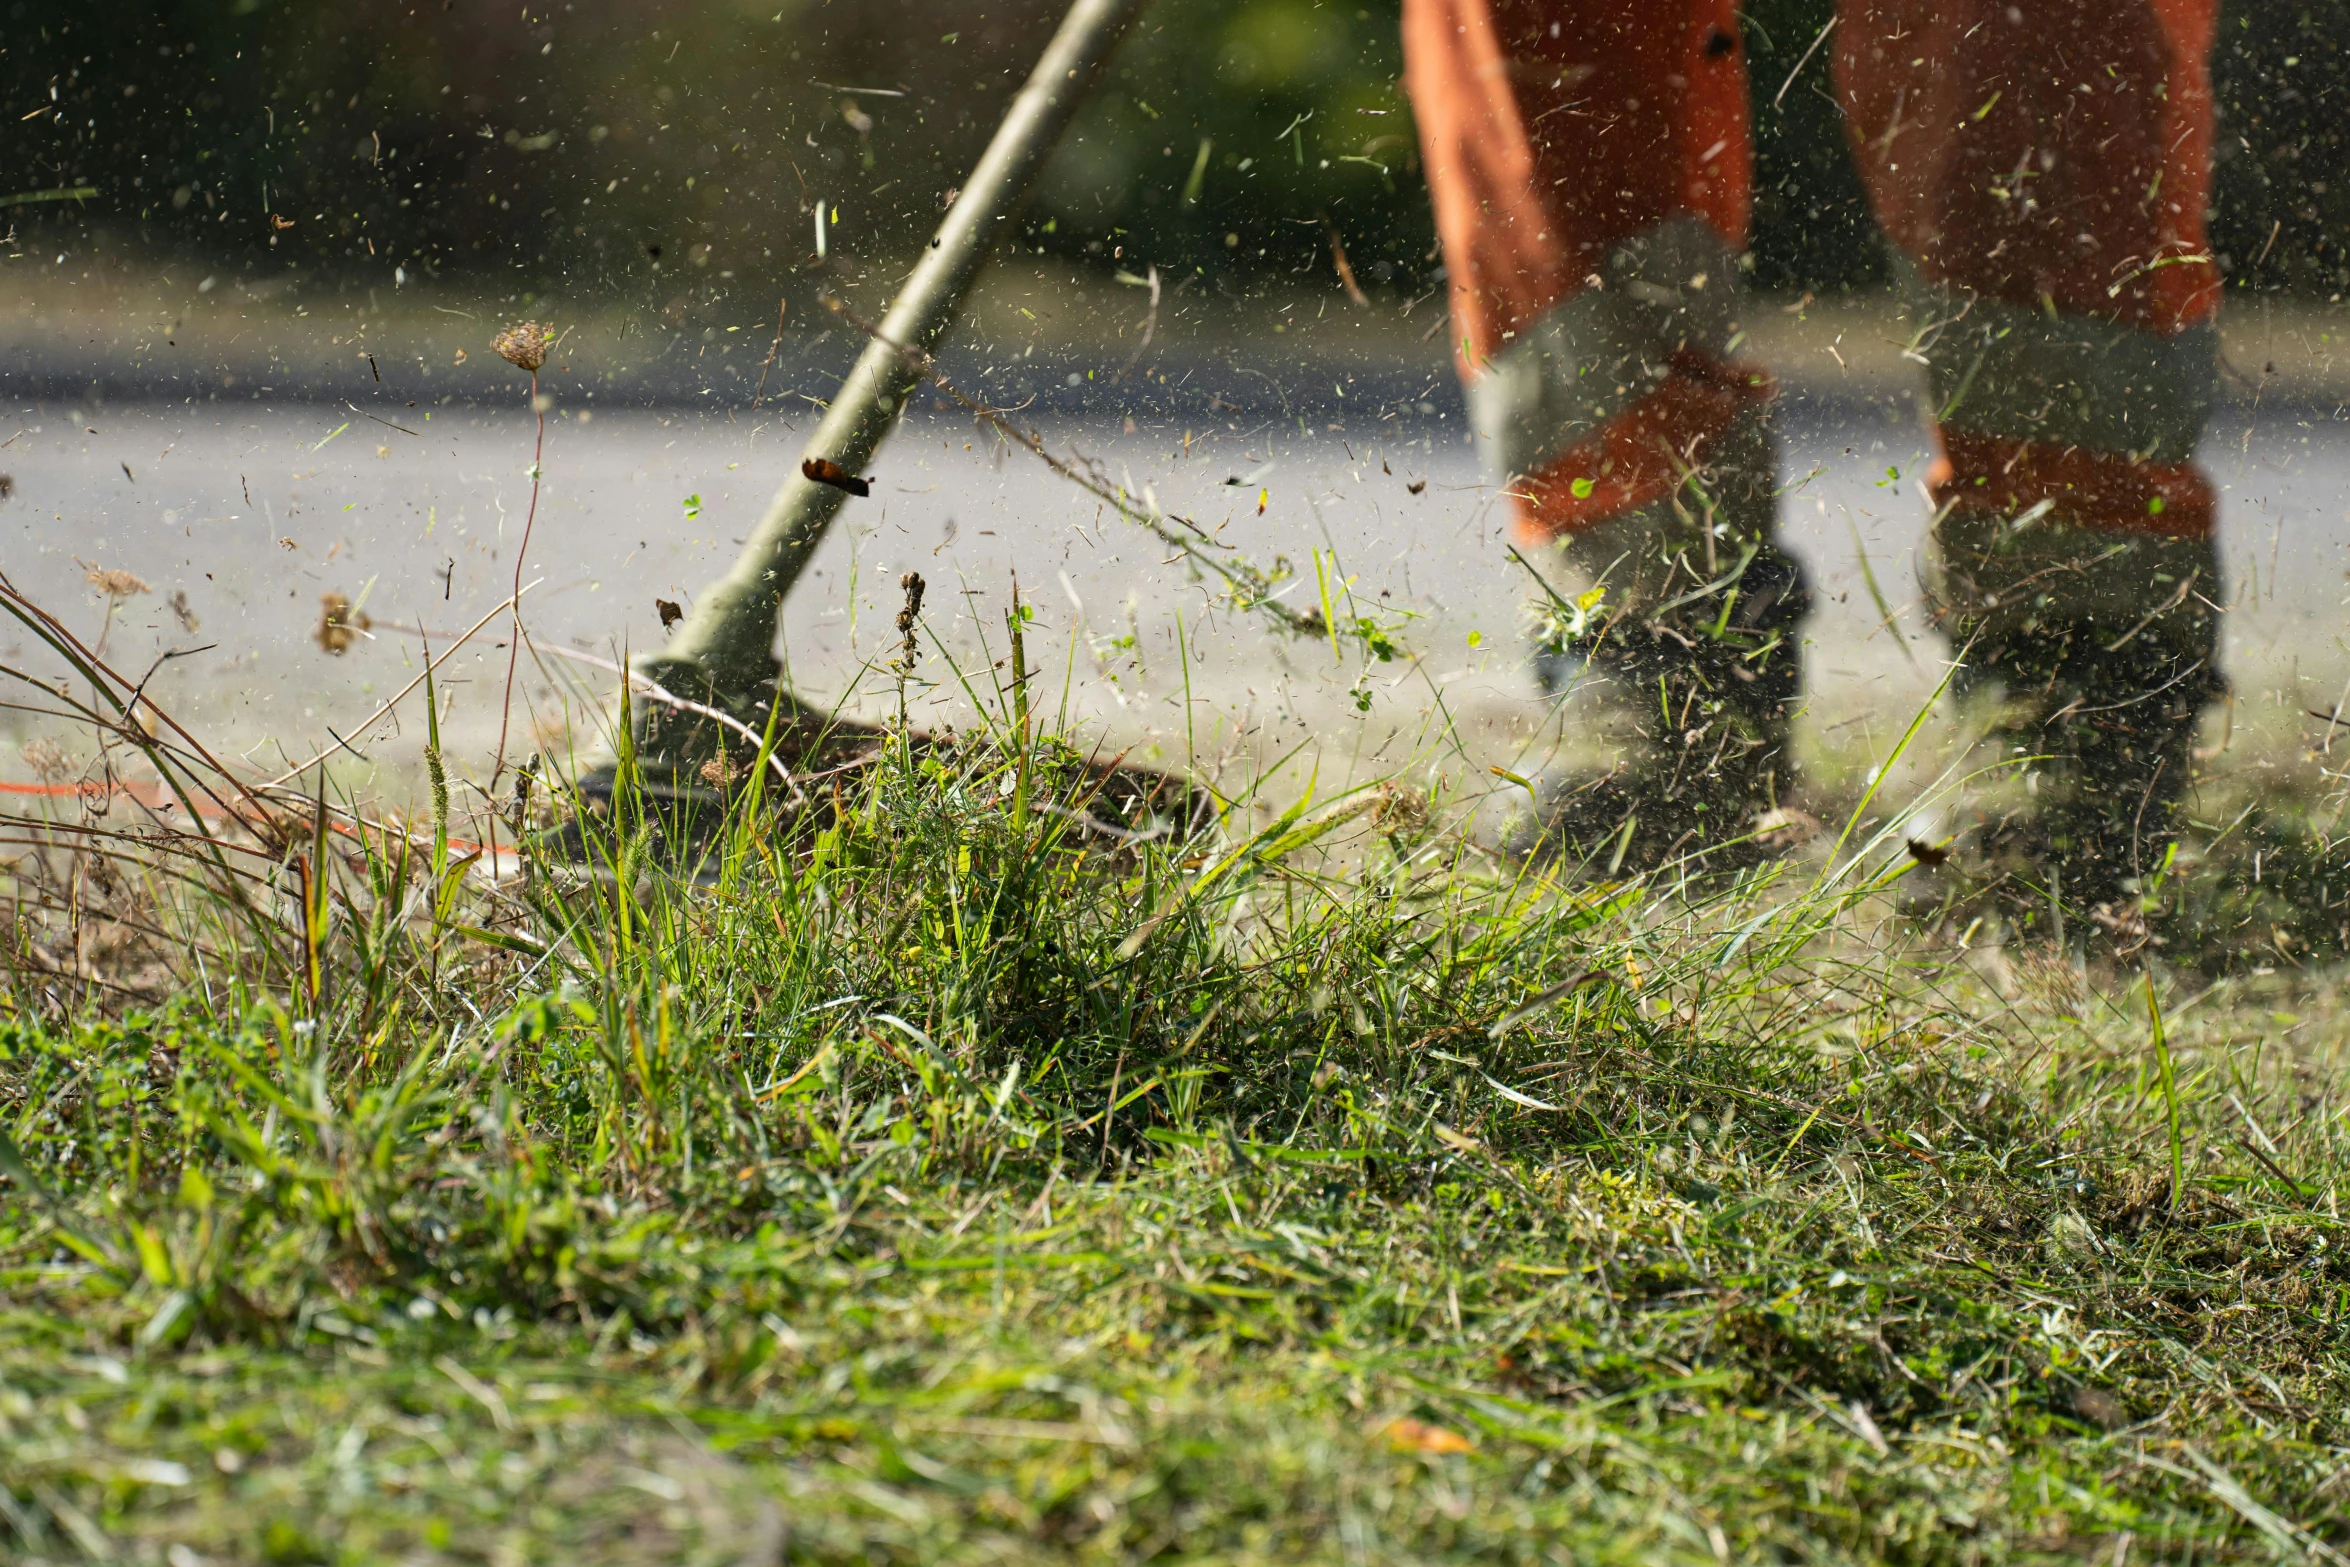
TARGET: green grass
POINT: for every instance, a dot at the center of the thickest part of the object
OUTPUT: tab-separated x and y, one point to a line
931	1186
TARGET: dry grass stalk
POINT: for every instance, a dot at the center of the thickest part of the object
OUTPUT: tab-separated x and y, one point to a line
523	345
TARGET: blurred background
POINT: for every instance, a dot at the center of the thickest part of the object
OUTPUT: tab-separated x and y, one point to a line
255	250
639	149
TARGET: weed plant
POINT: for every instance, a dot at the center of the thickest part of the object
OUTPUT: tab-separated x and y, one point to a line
941	1172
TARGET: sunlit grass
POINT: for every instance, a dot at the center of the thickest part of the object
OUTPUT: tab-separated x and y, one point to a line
937	1177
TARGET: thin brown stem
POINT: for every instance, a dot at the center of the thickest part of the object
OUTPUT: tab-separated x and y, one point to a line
514	644
773	349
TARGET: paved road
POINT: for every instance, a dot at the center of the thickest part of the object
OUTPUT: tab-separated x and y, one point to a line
243	516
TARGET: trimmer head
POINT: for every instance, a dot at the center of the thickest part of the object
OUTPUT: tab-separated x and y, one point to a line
816	760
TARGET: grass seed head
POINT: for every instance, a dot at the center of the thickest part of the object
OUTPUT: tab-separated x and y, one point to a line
113	583
914	585
47	759
524	345
1400	809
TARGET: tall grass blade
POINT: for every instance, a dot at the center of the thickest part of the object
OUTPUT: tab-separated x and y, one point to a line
2167	1075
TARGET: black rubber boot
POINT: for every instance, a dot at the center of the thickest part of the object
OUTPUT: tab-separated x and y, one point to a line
1710	685
2115	716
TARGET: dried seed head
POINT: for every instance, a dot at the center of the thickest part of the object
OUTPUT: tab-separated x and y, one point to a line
114	584
47	759
908	618
1399	811
525	344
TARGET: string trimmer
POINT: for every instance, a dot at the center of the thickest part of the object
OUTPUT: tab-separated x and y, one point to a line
720	663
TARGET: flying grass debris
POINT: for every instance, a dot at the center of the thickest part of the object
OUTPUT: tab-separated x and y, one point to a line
524	345
781	305
823	470
1346	271
338	626
1250	587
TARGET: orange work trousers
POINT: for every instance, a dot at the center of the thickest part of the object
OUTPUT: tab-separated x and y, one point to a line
2040	167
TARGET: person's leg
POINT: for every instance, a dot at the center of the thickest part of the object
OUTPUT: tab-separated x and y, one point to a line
1591	174
2041	168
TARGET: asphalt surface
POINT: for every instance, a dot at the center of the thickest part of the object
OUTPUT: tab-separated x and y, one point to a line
237	516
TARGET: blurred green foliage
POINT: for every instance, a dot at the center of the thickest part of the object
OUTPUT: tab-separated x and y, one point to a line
602	146
1239	137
